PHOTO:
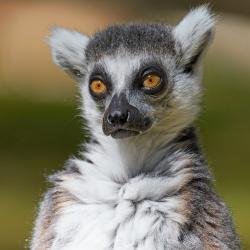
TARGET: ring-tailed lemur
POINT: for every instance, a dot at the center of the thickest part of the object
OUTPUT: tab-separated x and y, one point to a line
142	182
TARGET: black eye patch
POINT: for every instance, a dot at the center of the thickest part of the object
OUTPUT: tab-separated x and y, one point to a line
154	68
99	73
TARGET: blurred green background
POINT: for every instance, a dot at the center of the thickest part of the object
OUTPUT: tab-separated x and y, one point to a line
39	120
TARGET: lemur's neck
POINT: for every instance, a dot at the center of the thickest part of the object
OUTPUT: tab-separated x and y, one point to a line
127	158
139	153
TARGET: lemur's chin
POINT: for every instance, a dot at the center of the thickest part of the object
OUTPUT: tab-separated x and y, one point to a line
124	133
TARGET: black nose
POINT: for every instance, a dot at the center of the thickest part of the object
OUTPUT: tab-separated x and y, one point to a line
118	117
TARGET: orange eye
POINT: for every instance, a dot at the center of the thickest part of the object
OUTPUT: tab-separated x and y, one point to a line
151	81
98	87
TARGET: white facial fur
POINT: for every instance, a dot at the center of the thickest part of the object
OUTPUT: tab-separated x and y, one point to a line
183	101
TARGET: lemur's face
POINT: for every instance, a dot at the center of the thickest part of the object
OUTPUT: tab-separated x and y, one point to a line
137	78
128	92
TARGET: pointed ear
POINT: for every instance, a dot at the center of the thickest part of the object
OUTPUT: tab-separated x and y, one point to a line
68	50
193	34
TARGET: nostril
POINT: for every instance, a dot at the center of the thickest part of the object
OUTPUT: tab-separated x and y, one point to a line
110	119
124	118
117	118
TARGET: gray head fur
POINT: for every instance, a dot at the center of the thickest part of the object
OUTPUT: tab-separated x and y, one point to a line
135	38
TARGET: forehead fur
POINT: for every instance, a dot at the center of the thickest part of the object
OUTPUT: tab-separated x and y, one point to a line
151	38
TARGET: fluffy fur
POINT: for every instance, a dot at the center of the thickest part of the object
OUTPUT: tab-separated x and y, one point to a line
145	192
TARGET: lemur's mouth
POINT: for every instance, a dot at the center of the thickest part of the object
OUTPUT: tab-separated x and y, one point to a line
123	120
123	133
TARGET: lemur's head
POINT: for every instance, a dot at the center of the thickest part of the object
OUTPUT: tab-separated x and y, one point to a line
137	78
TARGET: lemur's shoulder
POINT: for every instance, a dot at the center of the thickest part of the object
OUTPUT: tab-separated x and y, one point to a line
53	201
51	206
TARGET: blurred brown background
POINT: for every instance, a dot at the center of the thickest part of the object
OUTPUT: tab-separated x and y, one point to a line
39	121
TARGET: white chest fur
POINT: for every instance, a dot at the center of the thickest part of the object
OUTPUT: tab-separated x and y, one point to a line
141	214
126	226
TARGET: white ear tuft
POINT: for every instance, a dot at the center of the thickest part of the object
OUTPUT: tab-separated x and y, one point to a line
68	50
194	32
